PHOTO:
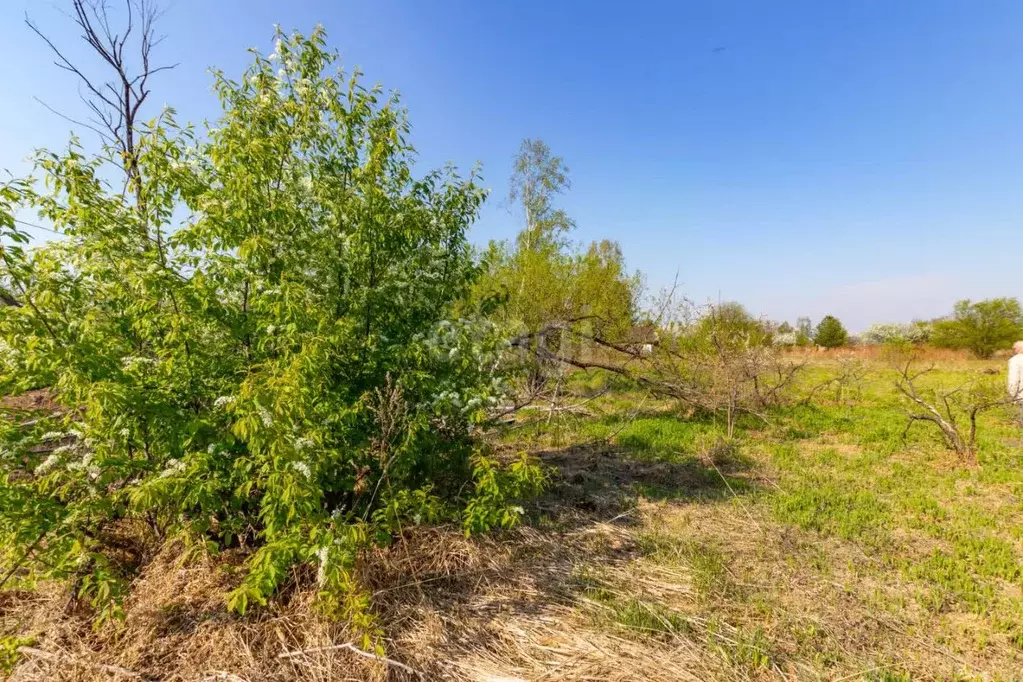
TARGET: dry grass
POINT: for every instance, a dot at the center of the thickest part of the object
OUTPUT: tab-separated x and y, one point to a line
687	589
926	354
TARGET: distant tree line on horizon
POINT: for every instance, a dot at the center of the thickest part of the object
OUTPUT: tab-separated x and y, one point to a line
981	327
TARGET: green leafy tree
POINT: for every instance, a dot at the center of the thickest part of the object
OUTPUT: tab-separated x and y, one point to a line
542	279
981	327
258	346
830	333
537	178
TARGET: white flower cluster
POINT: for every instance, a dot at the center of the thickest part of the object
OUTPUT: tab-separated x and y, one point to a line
266	417
48	464
896	333
223	402
322	556
85	464
448	398
134	362
451	341
9	353
174	466
302	468
786	339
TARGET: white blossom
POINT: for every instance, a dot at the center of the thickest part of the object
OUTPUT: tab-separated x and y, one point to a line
302	468
47	464
223	401
132	361
322	555
174	466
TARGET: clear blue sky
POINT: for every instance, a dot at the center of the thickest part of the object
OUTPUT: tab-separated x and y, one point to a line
850	157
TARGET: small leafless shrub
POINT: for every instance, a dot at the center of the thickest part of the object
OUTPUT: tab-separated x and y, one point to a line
845	383
954	412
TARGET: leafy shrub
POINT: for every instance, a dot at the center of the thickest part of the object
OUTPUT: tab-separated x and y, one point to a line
252	345
9	654
982	327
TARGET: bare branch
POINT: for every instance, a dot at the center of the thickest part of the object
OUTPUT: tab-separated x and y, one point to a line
967	400
103	135
117	102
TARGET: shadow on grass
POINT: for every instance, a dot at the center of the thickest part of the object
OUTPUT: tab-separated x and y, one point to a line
516	582
606	480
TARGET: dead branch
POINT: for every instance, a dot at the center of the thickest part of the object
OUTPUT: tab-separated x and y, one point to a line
355	650
57	658
946	408
114	103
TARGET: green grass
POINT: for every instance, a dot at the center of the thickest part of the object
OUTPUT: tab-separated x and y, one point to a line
911	530
707	563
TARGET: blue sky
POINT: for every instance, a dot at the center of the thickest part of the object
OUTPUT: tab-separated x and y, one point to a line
863	159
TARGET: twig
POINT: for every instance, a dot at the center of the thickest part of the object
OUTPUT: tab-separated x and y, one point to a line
355	650
861	673
222	675
56	658
737	498
921	641
627	512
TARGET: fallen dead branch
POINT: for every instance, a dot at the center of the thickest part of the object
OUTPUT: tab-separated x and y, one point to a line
57	659
355	650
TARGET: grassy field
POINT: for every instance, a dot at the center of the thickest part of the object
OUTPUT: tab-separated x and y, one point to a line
824	544
820	544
